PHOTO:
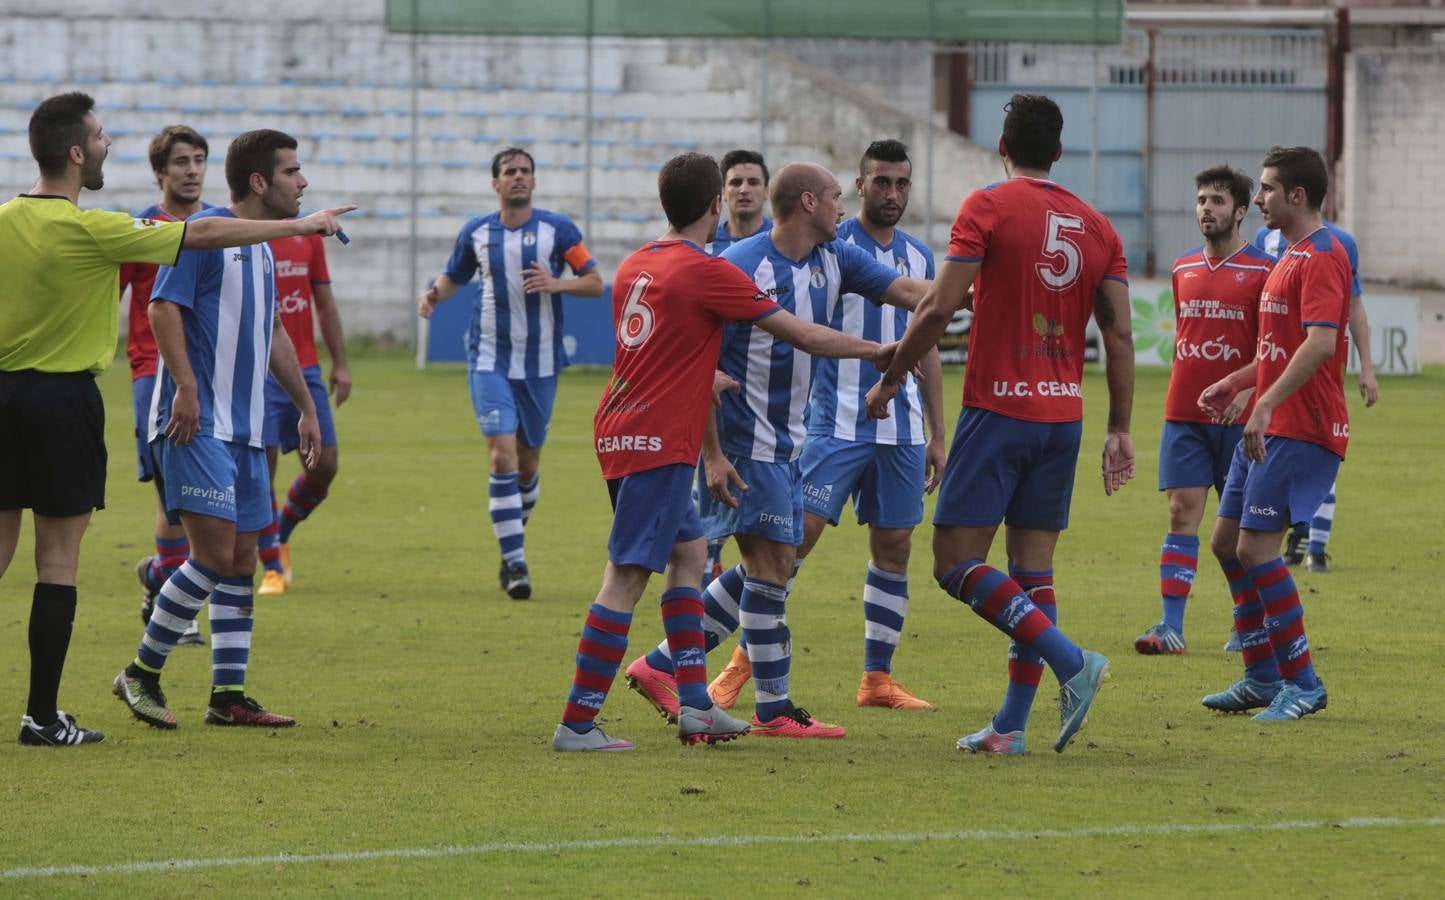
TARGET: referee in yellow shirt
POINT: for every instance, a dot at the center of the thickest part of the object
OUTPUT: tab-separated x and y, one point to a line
59	277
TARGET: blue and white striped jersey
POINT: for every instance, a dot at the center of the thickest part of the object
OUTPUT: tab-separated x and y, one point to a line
839	386
1272	241
228	307
765	421
511	331
721	239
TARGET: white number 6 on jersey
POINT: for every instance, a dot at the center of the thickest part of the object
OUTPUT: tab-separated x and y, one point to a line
635	326
1059	249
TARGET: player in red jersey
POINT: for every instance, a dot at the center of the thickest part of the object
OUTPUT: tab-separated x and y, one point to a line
303	282
1216	291
1294	440
178	158
670	304
1039	260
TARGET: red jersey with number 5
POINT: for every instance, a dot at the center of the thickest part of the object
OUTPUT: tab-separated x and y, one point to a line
1310	285
1043	254
670	301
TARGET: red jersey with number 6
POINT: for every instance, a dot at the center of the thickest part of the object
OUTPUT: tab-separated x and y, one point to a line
1044	253
1310	285
1215	324
670	301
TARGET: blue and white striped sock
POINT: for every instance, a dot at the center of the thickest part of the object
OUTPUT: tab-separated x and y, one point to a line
506	509
885	605
1321	524
232	616
765	627
180	599
530	490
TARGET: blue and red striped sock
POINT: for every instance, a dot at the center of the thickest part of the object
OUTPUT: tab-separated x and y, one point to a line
1259	661
268	542
1284	621
720	617
599	653
998	600
301	501
682	620
170	554
1025	667
1178	563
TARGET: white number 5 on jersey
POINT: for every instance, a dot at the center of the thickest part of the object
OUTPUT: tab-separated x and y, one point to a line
1064	259
635	326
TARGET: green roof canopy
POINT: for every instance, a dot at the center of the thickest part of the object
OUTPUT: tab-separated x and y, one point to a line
1061	21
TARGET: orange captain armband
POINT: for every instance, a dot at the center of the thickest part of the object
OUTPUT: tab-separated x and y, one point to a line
578	257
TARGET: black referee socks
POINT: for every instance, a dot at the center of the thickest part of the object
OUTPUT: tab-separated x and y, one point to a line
52	615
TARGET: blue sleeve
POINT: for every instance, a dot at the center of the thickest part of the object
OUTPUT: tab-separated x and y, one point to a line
463	263
1354	254
1258	239
861	273
180	284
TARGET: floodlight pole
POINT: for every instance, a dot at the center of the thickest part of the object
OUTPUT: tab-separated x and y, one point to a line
421	327
1094	126
587	124
928	132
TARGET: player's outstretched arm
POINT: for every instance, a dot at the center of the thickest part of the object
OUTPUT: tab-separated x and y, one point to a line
1360	334
330	317
1318	347
906	293
814	339
214	232
945	295
441	289
287	371
170	335
1111	312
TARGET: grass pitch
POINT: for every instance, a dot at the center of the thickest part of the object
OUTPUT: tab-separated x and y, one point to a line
427	700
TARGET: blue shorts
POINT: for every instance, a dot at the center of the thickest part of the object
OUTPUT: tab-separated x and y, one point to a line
710	511
884	480
1286	488
651	511
520	406
1196	454
140	398
282	416
771	507
1008	470
215	478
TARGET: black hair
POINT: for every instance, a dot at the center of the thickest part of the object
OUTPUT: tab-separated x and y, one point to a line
56	125
886	150
1238	184
1300	167
507	153
743	158
687	185
1031	127
254	153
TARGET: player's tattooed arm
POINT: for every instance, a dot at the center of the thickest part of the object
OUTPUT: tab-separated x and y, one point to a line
1111	311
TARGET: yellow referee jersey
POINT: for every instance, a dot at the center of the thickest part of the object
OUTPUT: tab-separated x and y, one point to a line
60	280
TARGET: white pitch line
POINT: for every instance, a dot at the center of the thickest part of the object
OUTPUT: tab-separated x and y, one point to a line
289	859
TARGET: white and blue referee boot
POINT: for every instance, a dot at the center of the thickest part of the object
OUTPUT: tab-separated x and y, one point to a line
1245	694
1293	702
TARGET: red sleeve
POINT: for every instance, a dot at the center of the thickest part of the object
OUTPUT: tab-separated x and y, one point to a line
319	273
1325	289
1173	289
731	295
972	228
1118	268
127	275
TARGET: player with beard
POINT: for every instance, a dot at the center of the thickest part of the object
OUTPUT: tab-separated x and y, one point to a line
1216	290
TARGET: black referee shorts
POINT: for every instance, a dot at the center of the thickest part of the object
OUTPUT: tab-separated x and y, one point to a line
52	443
